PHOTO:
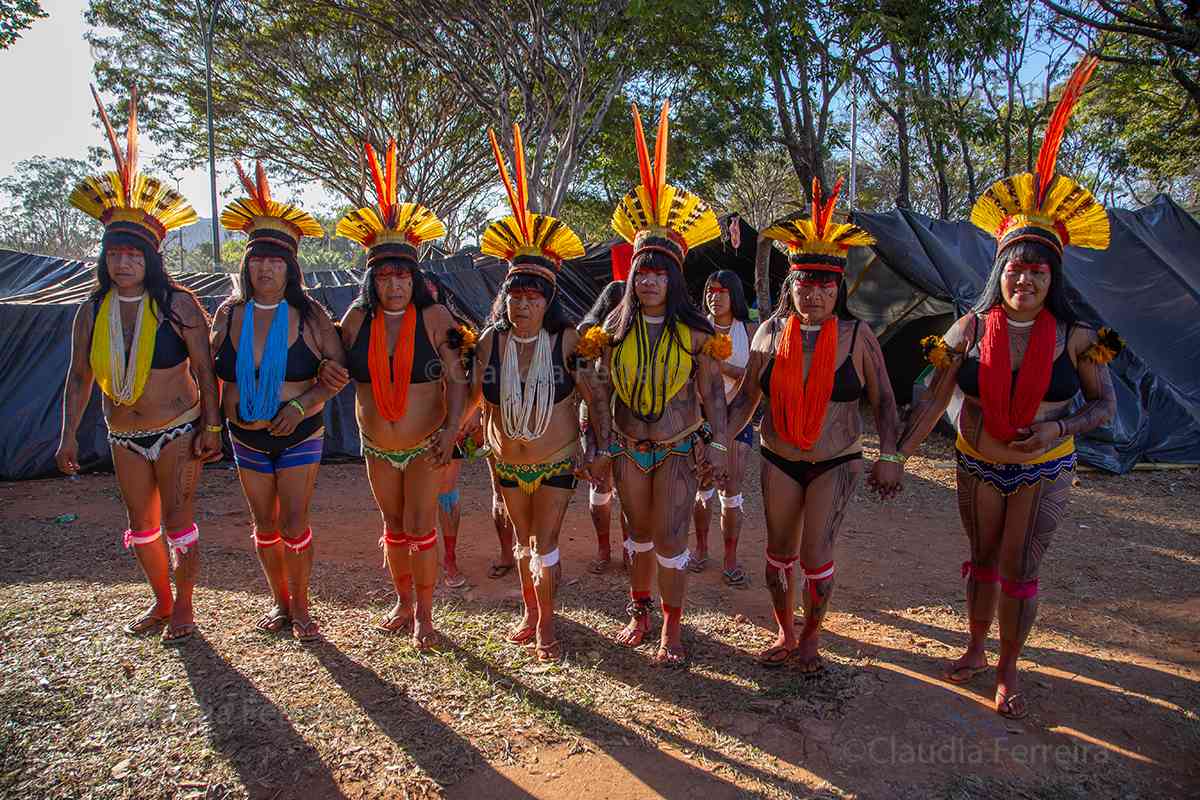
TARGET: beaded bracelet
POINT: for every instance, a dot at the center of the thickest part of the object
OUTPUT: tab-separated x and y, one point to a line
213	428
718	446
894	458
297	405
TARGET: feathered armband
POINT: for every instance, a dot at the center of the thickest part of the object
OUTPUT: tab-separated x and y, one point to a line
1108	345
937	352
719	346
462	339
592	343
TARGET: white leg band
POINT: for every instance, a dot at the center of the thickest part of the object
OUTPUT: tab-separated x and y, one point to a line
598	498
632	547
704	495
731	502
539	562
678	562
520	552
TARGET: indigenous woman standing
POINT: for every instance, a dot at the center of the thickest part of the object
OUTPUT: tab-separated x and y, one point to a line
813	362
142	337
663	360
727	311
269	342
1017	361
525	372
600	490
403	354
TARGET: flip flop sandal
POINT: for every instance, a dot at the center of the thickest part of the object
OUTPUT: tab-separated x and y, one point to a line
697	565
549	653
395	623
523	635
775	657
272	622
144	624
735	577
499	570
182	634
667	660
952	675
306	633
426	642
1005	707
457	582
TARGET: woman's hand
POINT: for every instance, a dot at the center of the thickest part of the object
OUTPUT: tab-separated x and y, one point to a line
441	446
1037	438
332	375
716	460
67	457
207	446
286	420
886	479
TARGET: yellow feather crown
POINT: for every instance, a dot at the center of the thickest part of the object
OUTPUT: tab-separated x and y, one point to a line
1043	205
390	222
260	213
534	243
815	241
654	208
126	199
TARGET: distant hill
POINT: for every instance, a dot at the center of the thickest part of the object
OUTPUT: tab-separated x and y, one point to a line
194	235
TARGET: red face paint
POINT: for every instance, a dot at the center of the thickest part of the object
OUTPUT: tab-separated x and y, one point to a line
1036	271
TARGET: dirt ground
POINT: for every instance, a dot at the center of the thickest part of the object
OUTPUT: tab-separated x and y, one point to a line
1112	669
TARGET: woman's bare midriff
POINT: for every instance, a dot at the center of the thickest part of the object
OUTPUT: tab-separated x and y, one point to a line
681	414
560	439
424	414
167	394
970	422
289	390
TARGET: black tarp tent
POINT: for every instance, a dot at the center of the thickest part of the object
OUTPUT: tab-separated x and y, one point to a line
1146	285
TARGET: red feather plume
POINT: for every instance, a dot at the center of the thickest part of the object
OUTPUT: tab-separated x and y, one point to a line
1056	127
513	201
118	156
131	143
264	188
247	184
378	178
391	181
660	153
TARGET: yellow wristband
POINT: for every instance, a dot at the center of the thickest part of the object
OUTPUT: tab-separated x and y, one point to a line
297	405
213	428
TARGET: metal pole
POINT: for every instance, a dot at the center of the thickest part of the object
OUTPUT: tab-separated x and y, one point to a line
853	140
212	159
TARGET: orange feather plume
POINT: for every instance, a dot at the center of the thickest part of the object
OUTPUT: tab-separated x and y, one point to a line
379	179
514	200
264	188
118	156
522	180
643	154
391	180
660	154
131	143
823	209
1056	127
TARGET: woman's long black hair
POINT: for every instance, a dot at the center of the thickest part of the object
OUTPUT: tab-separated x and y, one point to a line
293	290
158	284
608	299
1058	299
447	298
368	295
785	306
555	319
728	279
679	305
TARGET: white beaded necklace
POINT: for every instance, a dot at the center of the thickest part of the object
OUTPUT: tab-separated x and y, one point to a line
534	399
124	371
125	299
653	320
1012	323
264	307
399	313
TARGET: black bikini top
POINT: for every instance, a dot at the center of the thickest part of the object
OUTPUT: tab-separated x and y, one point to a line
169	348
426	363
1064	379
564	382
847	388
302	364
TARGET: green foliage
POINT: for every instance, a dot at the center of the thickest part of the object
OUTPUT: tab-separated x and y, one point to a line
17	16
38	218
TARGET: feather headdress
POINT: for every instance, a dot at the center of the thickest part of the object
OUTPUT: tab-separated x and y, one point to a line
816	242
392	229
126	201
656	215
265	219
532	243
1044	206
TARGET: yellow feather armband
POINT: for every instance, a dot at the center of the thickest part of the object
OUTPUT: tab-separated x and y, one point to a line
718	346
1108	345
463	339
592	343
937	352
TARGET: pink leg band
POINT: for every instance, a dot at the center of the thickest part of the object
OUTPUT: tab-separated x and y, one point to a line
265	538
178	542
298	544
133	538
1020	590
979	574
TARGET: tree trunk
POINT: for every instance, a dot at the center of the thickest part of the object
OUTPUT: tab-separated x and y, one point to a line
903	190
762	276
